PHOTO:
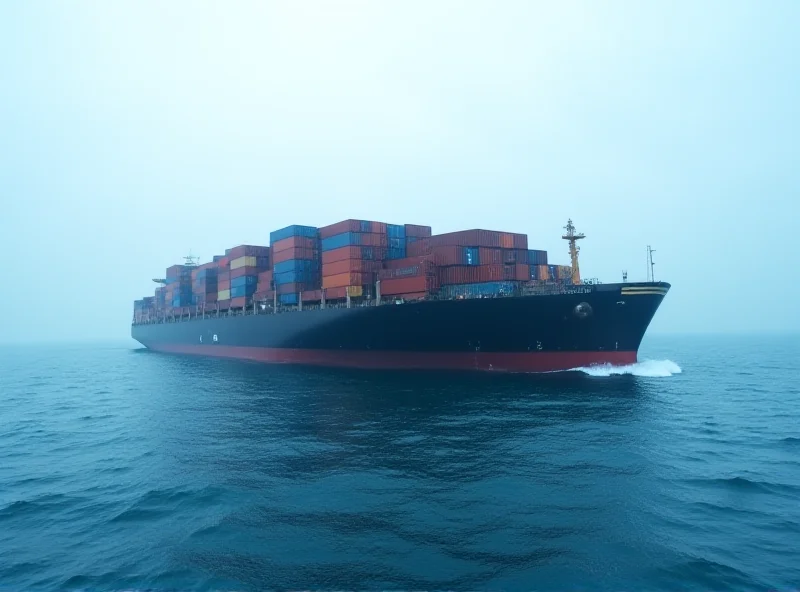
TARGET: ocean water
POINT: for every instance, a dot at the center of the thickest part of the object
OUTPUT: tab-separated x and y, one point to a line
125	469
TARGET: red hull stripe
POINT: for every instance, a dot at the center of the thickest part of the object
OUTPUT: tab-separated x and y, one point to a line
509	362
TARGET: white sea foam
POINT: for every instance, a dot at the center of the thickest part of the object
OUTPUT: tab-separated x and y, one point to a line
648	368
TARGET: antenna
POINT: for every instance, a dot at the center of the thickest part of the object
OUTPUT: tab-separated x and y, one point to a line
650	263
190	261
572	237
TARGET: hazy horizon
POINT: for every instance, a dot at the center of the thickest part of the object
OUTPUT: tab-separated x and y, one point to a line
134	133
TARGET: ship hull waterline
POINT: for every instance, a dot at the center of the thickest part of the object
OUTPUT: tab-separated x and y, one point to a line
588	326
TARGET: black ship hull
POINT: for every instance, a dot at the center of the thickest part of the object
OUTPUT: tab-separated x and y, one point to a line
581	326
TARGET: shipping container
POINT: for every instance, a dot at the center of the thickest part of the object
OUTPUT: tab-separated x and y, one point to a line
223	276
265	278
223	285
536	257
245	280
246	261
239	302
522	272
396	232
355	291
296	276
475	290
296	265
423	267
347	279
415	231
347	265
406	285
263	295
418	248
311	296
294	230
295	242
296	287
246	251
552	272
480	238
287	298
223	304
224	295
239	291
342	253
335	293
356	226
295	253
240	271
467	274
354	239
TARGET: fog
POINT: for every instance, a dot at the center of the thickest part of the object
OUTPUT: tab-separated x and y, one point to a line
132	133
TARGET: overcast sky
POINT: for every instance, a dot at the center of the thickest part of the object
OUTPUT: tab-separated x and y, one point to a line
134	132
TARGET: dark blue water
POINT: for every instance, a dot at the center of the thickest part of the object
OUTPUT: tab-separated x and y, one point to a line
128	469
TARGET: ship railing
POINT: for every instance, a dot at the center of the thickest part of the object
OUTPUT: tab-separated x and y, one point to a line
524	289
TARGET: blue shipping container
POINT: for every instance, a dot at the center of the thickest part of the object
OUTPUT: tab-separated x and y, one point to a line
245	280
287	298
472	256
474	290
399	253
296	265
366	226
395	231
338	241
240	291
296	276
294	230
396	243
536	257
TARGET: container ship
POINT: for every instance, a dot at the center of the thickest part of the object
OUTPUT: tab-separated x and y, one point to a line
367	294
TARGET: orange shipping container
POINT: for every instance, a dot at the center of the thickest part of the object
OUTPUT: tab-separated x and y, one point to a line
346	279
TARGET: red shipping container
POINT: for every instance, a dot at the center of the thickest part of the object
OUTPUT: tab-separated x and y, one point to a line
294	242
265	278
335	293
470	274
449	255
414	231
239	302
247	251
261	295
223	285
522	272
419	248
351	226
312	296
406	285
406	262
223	276
298	253
348	265
480	238
296	287
240	271
424	267
489	256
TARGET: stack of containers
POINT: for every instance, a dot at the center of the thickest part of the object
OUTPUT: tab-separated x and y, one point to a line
160	299
410	278
296	262
204	284
352	251
223	282
246	263
179	286
479	256
264	289
396	241
415	233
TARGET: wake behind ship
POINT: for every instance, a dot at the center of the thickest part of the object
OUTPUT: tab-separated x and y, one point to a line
371	295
